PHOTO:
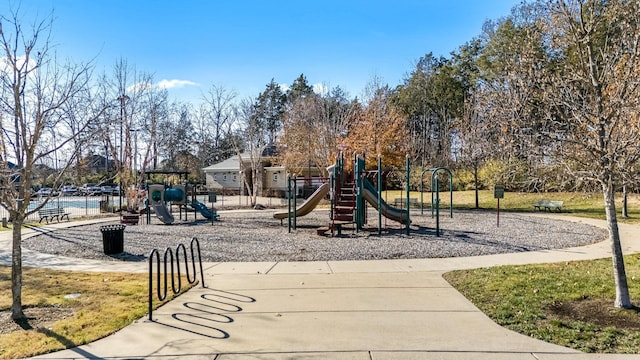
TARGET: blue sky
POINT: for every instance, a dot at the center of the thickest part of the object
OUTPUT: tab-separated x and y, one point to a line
242	45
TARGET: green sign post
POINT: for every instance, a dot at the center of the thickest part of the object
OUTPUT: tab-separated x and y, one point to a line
498	193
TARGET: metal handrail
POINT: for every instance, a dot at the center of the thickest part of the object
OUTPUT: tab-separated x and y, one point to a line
168	254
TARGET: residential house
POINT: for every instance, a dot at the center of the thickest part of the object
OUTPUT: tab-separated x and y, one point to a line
226	177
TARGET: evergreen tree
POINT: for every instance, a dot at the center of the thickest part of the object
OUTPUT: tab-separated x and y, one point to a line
299	88
269	109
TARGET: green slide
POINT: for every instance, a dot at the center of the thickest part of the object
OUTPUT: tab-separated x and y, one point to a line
370	194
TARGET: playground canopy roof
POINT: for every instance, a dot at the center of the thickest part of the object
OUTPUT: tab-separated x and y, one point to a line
180	173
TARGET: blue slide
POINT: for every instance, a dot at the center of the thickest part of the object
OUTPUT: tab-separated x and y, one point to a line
204	210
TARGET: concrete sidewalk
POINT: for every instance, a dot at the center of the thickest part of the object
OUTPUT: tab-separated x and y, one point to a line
387	309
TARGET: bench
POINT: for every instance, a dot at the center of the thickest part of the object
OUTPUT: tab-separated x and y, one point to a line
49	214
548	205
133	219
399	202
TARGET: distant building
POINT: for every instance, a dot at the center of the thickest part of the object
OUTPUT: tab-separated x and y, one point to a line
225	176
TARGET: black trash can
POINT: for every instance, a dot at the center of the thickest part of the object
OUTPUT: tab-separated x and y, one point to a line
112	238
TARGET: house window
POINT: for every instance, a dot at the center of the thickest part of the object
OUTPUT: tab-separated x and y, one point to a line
224	177
235	177
215	177
275	177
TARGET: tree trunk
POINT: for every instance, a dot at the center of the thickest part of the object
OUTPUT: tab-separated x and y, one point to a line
16	269
622	299
255	188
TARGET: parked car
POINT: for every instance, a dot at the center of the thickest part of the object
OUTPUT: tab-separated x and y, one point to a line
47	191
90	189
69	190
107	189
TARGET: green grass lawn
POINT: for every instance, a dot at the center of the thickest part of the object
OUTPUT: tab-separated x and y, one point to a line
107	302
579	204
569	304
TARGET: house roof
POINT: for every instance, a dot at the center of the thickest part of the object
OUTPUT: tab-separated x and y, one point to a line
230	164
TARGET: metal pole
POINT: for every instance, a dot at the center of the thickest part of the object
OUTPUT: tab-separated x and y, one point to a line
379	194
408	209
421	194
433	181
289	204
498	214
437	183
295	202
356	181
450	194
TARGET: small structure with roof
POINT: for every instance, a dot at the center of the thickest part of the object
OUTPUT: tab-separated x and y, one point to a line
226	176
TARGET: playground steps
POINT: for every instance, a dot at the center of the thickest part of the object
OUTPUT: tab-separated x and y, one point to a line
336	226
344	208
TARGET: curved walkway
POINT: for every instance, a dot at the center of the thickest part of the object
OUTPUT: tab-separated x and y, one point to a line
386	309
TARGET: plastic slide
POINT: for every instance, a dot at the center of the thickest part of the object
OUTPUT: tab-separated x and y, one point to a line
163	213
370	194
204	210
309	204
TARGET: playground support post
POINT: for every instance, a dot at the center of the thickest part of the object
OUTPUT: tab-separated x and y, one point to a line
289	204
295	202
358	170
434	172
148	203
408	195
379	194
332	182
437	186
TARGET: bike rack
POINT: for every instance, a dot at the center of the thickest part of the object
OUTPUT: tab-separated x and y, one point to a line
168	254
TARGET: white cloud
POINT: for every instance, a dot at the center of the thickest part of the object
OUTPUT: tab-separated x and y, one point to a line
6	67
141	86
284	87
320	89
175	83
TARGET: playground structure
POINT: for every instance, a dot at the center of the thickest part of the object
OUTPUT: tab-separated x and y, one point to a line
349	194
161	198
308	205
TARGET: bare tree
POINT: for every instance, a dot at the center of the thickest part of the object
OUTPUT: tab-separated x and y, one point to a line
255	135
594	98
34	92
214	123
135	119
476	137
156	103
